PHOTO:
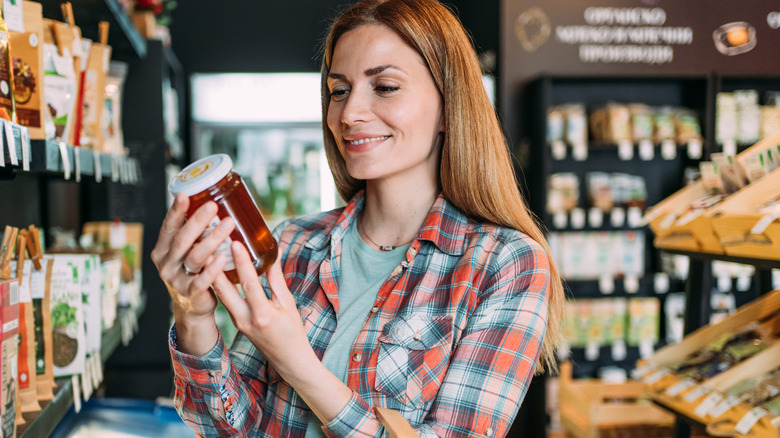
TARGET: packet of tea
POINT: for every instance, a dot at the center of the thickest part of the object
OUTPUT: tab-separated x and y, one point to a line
67	317
40	288
60	88
27	55
94	89
28	386
6	73
9	324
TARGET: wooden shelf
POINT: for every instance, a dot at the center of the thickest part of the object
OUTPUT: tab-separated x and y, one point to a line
757	262
48	419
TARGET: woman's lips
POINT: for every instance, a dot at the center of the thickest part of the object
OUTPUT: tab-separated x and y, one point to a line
364	144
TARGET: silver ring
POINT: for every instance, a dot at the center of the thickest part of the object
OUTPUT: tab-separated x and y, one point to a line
188	271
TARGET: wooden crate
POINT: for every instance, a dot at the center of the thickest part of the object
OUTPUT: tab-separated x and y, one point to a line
739	214
593	409
673	230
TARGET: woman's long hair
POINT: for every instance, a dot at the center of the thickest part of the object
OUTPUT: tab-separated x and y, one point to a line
476	170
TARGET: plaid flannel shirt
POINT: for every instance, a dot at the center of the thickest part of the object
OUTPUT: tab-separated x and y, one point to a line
451	342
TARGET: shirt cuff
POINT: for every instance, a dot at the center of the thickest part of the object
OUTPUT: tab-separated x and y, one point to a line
200	371
352	418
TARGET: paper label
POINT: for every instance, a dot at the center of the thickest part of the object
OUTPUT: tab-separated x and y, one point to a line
668	149
77	163
634	217
619	350
74	383
704	407
12	13
625	150
722	407
98	166
690	216
560	220
580	151
25	148
223	248
694	149
2	155
661	282
638	373
558	148
617	217
729	147
749	420
11	142
679	387
606	284
696	394
765	221
646	150
668	221
578	218
65	159
656	376
631	283
595	217
592	351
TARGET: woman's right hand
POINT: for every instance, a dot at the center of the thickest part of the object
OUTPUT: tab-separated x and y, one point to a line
187	264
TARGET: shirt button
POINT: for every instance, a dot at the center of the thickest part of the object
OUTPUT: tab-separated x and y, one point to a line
398	270
213	373
416	336
489	432
356	357
374	309
413	251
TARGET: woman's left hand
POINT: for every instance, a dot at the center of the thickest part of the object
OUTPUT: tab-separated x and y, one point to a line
273	325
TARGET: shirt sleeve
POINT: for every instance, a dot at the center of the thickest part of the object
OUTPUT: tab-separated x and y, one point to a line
213	396
495	359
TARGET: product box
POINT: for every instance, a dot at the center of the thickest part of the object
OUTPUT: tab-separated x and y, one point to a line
9	321
126	238
27	59
67	316
699	391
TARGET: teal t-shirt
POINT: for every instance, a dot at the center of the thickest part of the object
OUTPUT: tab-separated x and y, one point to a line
363	271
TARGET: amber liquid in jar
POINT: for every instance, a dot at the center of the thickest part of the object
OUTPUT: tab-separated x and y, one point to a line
233	199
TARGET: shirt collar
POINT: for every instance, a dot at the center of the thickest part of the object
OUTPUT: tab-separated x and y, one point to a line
445	226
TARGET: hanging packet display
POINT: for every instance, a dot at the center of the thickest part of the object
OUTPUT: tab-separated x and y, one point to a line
60	88
40	288
113	138
67	317
28	386
6	73
9	322
27	56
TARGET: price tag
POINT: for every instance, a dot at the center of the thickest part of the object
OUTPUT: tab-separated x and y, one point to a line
709	402
617	217
595	217
696	394
65	159
74	383
690	216
724	283
98	167
99	364
661	282
607	284
579	151
775	279
592	351
729	147
638	373
668	149
646	349
625	150
558	148
12	13
743	283
656	376
25	147
679	387
11	142
577	218
77	163
631	283
646	150
634	217
619	349
2	154
749	420
668	221
694	149
86	380
560	220
722	407
114	168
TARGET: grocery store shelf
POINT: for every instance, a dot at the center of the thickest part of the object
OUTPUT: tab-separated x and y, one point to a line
48	419
48	156
123	37
757	262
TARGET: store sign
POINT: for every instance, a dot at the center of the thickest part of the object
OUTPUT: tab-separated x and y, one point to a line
641	37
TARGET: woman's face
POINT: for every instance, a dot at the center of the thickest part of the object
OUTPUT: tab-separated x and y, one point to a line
385	111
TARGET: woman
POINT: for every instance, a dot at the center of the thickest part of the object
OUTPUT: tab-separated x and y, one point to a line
429	293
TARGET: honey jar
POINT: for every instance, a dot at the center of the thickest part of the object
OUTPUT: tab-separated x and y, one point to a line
212	179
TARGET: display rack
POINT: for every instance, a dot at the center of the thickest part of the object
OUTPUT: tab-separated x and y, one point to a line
123	37
51	415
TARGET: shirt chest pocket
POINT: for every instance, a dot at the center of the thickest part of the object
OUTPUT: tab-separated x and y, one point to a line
414	353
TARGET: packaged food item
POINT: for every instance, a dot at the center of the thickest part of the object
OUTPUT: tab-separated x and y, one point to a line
611	123
721	354
94	89
756	166
6	74
212	179
687	126
600	191
732	176
40	287
555	124
67	317
60	92
576	124
125	241
68	39
563	193
28	386
113	138
663	125
726	124
711	177
9	334
641	122
770	120
28	70
643	321
748	116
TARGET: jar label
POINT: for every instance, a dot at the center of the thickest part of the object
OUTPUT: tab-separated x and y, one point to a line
224	247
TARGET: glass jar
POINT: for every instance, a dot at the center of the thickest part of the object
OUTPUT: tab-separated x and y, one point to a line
212	179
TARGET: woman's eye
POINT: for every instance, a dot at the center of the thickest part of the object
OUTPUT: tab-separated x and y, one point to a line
385	89
339	94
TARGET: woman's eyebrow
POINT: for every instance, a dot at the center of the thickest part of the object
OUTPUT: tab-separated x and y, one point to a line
373	71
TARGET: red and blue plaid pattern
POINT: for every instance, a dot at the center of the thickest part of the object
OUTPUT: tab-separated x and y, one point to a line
451	343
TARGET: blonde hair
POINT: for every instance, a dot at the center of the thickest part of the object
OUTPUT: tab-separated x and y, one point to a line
476	171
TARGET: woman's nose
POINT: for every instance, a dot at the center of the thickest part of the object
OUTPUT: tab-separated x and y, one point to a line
357	109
